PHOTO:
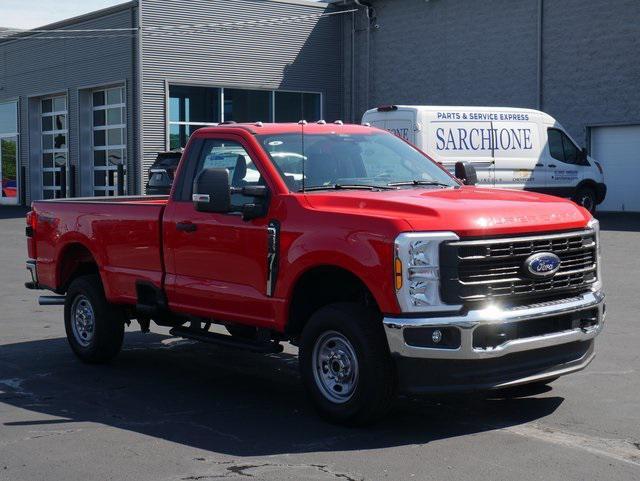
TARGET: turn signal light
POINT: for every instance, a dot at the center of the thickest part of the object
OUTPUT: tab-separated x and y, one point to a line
398	273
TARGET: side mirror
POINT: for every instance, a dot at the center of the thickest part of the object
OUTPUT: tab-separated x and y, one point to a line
582	156
466	173
211	191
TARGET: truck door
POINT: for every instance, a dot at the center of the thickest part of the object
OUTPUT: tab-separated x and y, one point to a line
216	264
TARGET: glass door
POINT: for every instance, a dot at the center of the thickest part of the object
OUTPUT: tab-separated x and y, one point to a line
55	167
9	152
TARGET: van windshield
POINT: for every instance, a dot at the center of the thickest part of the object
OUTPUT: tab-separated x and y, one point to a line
378	160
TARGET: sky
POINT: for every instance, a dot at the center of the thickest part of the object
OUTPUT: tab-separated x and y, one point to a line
35	13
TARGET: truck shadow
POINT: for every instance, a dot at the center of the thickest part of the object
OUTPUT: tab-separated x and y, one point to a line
224	401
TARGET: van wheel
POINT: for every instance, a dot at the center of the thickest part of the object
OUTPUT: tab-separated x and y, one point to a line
345	364
95	328
586	197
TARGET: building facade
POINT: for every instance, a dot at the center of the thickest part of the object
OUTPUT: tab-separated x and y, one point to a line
577	60
86	104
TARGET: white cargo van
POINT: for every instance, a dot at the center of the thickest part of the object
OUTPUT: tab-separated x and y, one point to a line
509	147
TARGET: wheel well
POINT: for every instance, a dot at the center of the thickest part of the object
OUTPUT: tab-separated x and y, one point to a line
321	286
75	261
587	183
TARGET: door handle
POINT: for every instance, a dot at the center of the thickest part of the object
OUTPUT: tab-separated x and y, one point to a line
553	166
186	226
539	165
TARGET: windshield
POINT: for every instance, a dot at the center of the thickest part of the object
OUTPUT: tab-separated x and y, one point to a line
378	160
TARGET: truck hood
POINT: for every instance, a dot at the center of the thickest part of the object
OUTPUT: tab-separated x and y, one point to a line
467	211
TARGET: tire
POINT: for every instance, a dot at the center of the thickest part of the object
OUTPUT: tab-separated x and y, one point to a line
586	197
354	336
95	328
242	332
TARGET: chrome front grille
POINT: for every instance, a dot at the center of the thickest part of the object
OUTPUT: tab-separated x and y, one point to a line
494	268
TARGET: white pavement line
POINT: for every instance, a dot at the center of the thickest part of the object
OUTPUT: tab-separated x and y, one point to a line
619	449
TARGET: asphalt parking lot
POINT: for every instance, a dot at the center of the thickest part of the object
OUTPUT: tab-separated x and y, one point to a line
169	409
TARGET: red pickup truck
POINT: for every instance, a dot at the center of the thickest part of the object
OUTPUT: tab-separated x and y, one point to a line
389	274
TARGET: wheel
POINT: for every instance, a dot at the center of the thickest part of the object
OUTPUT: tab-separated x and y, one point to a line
586	197
345	364
242	332
95	328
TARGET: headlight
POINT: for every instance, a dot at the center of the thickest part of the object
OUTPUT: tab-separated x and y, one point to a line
595	225
417	271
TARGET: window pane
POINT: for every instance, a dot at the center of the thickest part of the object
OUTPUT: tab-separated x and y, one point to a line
47	142
99	118
59	104
60	141
114	136
115	157
8	154
570	150
114	116
99	138
247	105
47	161
194	104
555	144
174	136
311	107
47	106
99	178
61	122
113	96
59	159
98	98
9	118
288	107
99	157
47	124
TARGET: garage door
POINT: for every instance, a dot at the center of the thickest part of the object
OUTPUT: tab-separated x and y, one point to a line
618	150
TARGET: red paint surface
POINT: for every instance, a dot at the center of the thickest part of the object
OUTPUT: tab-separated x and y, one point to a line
220	270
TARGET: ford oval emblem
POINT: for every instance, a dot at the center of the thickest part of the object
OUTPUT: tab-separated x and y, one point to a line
542	264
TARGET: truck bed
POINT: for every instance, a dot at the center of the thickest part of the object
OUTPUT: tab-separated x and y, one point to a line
122	234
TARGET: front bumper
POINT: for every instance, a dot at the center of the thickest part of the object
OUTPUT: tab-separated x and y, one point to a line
518	360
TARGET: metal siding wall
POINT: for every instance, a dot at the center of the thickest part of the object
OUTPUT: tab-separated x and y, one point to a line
466	52
591	63
39	67
451	52
304	56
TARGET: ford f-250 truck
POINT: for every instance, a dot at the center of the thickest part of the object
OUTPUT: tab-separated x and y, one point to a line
388	273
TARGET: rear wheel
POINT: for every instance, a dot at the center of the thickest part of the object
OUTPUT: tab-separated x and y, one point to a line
586	197
345	364
95	328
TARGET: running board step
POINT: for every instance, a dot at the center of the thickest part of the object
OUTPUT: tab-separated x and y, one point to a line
225	340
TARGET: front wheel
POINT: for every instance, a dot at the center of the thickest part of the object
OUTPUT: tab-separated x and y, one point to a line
345	364
95	328
586	197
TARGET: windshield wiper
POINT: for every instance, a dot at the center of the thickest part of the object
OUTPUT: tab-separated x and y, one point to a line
419	182
347	186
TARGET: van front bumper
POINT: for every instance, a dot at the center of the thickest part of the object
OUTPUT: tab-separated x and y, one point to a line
541	341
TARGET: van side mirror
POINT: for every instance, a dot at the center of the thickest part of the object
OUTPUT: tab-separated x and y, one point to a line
211	191
466	173
582	156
